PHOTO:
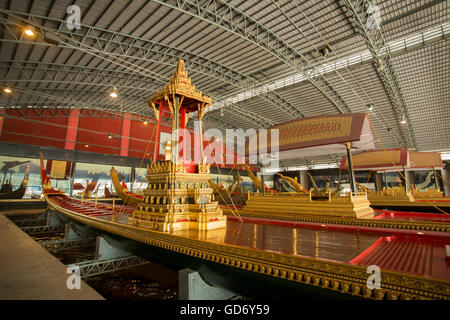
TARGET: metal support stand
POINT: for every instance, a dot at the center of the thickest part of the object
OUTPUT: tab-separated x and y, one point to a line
191	286
110	257
105	250
74	231
62	244
53	224
42	230
54	219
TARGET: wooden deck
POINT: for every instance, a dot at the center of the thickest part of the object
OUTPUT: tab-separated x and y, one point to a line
299	253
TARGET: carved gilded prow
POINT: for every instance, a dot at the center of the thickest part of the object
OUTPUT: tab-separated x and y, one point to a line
128	199
294	184
236	182
256	181
313	182
362	187
216	187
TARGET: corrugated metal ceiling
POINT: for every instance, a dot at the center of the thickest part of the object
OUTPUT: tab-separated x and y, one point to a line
145	38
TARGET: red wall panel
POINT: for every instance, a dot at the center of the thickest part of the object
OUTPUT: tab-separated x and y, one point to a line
45	127
41	131
94	132
140	134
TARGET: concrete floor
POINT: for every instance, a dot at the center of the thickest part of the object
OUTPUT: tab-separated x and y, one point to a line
29	272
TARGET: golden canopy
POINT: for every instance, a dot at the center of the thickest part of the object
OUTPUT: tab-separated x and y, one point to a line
180	87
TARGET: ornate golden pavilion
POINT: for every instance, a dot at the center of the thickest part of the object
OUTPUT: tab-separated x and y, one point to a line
174	198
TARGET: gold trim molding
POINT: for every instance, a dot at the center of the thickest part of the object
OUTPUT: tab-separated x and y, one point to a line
340	277
372	223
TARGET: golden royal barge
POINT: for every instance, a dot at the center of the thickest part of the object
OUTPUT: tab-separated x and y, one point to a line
179	216
406	197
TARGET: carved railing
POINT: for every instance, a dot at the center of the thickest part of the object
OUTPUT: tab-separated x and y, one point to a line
343	197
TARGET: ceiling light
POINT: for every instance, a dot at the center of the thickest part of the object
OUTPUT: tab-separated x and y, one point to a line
325	51
114	94
370	106
403	120
86	145
109	136
29	31
145	122
445	155
7	90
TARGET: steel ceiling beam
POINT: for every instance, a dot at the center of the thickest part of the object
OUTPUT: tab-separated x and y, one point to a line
70	98
130	47
36	71
383	65
97	77
223	15
42	111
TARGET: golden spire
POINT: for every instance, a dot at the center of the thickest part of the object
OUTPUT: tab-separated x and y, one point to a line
180	85
181	70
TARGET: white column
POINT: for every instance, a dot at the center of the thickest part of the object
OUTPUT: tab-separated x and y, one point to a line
410	178
304	179
378	181
445	173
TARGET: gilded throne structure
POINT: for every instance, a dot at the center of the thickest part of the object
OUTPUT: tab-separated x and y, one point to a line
176	199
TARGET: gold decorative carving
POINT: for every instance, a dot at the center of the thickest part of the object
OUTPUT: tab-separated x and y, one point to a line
180	85
353	205
306	130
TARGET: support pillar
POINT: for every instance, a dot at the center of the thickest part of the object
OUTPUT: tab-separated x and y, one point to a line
304	179
436	184
191	286
445	173
132	178
71	141
198	143
378	181
110	257
2	119
106	249
262	181
54	220
77	232
350	166
402	179
72	177
72	130
125	135
410	179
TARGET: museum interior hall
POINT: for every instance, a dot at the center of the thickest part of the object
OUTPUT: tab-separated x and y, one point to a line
224	150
